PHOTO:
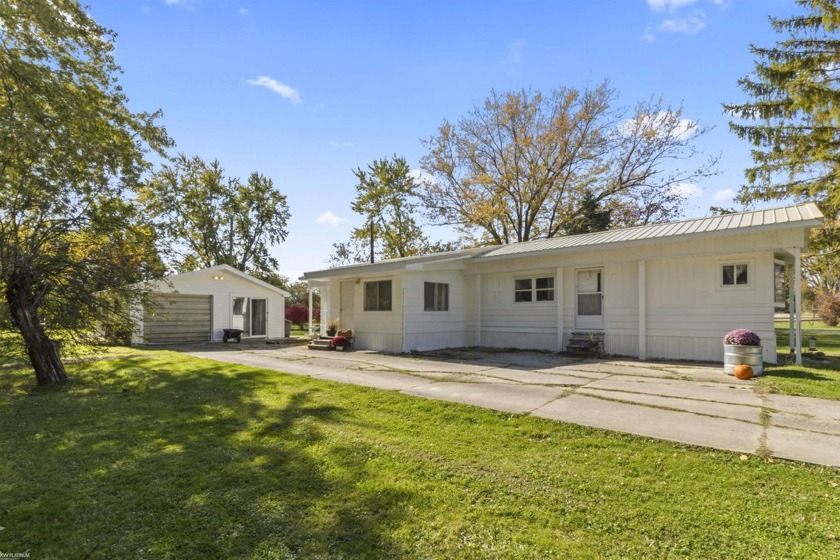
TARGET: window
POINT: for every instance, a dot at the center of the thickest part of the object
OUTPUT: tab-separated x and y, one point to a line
435	296
533	289
779	284
378	296
735	275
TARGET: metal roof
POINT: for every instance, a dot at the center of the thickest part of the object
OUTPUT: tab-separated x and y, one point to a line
393	264
803	215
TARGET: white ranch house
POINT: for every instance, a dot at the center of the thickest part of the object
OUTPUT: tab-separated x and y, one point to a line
197	306
660	291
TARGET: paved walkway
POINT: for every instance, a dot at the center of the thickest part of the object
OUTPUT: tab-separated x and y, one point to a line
688	403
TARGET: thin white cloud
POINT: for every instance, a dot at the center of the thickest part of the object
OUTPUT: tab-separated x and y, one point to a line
726	195
668	5
686	190
341	144
648	35
421	176
515	52
243	11
279	88
661	123
329	218
683	26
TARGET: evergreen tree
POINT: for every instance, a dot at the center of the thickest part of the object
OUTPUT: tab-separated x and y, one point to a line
793	117
591	217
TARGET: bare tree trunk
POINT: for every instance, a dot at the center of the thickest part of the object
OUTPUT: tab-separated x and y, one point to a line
42	352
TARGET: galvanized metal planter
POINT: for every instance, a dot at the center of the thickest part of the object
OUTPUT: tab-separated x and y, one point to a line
735	355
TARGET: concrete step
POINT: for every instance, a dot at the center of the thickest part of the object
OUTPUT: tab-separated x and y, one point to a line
322	343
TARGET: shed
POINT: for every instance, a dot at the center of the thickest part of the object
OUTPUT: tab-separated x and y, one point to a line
196	307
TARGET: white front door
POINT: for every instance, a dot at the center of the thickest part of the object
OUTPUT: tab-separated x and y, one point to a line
589	299
345	314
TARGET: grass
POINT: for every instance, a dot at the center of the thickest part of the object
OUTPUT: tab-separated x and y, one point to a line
159	455
814	378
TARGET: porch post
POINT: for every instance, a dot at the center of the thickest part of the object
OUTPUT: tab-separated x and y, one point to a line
309	293
478	309
642	310
792	307
797	288
558	297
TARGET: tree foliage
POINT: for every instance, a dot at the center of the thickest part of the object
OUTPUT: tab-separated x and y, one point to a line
792	118
70	151
591	218
207	218
520	165
793	123
386	196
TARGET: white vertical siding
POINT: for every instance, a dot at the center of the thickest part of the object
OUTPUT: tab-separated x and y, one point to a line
223	292
431	330
373	330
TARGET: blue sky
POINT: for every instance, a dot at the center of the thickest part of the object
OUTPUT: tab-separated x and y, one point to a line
306	91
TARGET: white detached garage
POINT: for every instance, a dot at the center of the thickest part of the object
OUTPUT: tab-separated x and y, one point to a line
197	306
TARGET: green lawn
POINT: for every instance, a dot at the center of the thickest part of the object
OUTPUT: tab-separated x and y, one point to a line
813	378
158	455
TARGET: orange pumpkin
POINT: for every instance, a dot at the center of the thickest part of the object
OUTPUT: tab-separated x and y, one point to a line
743	371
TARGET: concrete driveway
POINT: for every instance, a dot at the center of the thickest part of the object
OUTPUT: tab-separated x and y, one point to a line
689	403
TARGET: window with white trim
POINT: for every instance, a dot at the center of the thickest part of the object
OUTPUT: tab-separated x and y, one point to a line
735	274
435	296
533	289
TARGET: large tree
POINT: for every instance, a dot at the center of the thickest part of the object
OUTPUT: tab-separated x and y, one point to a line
386	197
792	117
519	166
793	123
207	218
70	150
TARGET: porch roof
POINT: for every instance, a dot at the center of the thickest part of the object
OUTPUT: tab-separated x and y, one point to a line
390	265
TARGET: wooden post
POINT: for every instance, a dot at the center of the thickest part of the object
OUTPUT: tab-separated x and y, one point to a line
797	289
642	310
309	293
478	309
558	298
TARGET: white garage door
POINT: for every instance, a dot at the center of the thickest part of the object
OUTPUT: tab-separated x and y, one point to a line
178	319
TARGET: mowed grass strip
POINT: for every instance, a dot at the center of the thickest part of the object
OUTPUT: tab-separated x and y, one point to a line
166	456
815	378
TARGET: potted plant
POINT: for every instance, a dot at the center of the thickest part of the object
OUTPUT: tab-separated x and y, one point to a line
742	346
340	343
332	327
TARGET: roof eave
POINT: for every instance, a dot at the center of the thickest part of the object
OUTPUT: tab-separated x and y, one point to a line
804	224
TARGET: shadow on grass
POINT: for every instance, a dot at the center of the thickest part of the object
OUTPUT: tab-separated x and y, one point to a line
801	374
184	458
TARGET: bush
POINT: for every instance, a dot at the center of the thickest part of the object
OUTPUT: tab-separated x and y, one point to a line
297	314
828	309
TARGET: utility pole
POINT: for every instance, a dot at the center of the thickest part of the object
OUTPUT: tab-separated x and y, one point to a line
230	240
371	241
